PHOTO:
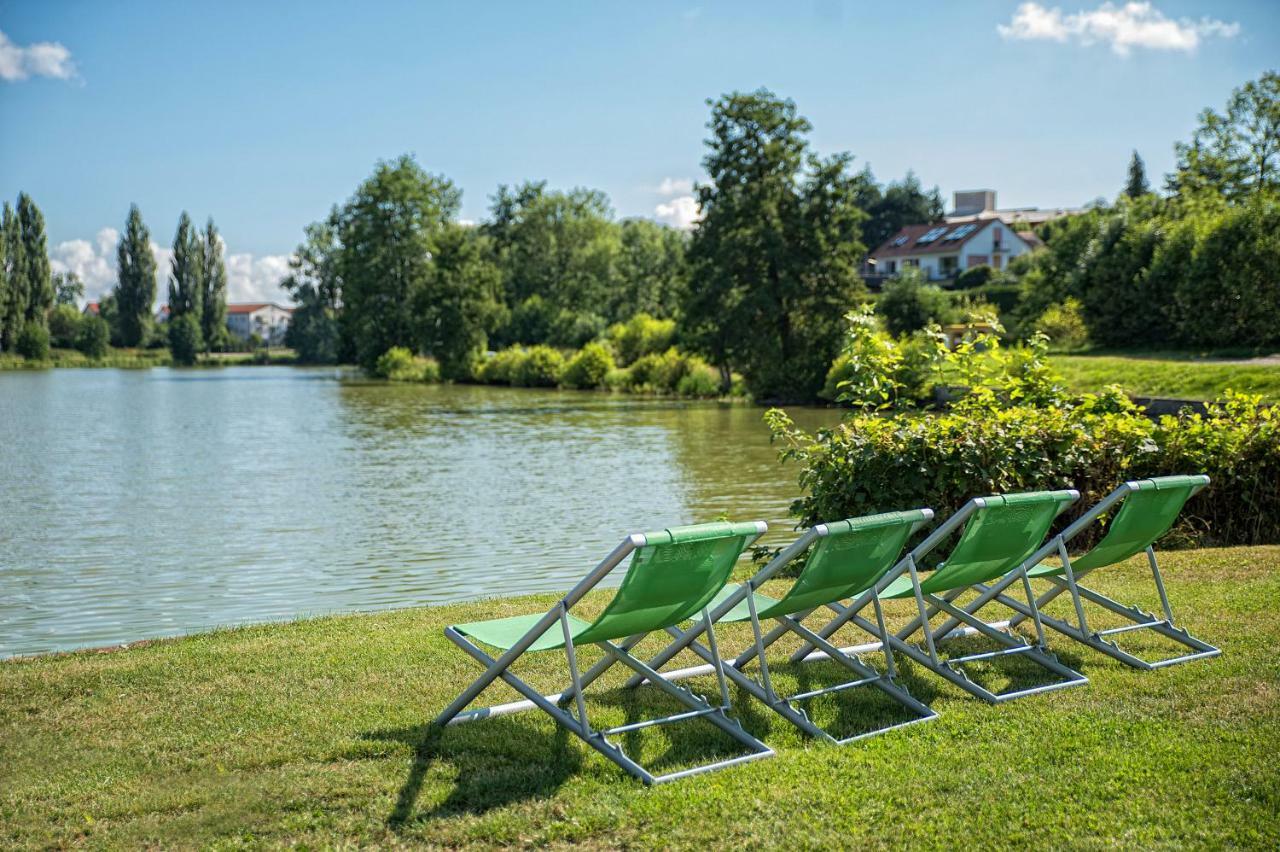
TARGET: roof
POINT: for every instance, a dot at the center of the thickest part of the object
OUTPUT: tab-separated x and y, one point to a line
906	243
92	308
254	307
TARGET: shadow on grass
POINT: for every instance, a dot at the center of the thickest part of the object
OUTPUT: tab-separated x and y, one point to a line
499	761
1011	672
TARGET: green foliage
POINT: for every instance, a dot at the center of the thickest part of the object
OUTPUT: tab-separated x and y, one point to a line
64	325
539	368
212	279
36	274
1233	154
652	272
389	231
875	463
93	337
1064	325
588	368
774	259
186	290
909	303
33	341
185	343
67	288
399	364
641	335
1136	186
136	281
900	203
13	311
314	330
457	304
974	276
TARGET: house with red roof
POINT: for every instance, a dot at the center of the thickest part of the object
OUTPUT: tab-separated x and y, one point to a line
942	251
266	319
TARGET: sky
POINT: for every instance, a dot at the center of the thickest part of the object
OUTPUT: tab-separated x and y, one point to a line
264	115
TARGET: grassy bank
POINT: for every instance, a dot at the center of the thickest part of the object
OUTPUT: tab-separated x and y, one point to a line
1177	378
141	359
313	733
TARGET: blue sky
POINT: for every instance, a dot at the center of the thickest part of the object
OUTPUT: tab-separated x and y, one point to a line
265	114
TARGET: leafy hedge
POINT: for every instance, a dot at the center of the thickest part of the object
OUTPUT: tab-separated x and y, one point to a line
874	463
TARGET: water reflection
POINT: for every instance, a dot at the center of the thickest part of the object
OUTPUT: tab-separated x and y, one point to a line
148	503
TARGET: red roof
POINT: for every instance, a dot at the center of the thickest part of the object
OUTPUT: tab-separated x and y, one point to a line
907	241
251	307
92	308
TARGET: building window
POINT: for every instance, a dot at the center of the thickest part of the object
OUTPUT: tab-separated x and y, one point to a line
996	235
891	267
911	263
947	266
995	261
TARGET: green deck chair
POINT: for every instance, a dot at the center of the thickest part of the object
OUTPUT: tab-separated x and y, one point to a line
673	576
845	559
999	533
1148	509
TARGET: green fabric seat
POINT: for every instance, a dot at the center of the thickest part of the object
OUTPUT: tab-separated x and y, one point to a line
847	561
997	538
671	579
1145	515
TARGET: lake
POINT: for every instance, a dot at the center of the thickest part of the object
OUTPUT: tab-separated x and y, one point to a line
139	504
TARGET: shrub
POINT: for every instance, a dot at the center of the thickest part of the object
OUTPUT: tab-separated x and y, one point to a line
974	276
185	341
659	373
501	367
908	303
540	367
64	325
33	341
573	329
399	364
589	368
1063	324
641	335
94	337
700	380
874	463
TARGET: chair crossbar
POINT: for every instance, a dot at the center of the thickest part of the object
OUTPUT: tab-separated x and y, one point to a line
665	720
1128	627
814	693
987	655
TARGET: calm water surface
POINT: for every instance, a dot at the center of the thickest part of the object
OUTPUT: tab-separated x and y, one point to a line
150	503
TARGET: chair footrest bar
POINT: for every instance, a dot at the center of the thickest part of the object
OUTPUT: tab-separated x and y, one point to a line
665	720
733	761
838	688
1023	649
1129	627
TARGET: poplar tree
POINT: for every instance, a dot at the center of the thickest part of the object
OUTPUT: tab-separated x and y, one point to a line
1137	185
186	294
37	275
4	279
136	286
15	308
213	280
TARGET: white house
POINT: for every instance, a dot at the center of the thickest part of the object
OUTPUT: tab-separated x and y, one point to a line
943	251
265	319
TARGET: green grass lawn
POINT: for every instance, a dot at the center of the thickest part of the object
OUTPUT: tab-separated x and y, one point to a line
1167	377
314	733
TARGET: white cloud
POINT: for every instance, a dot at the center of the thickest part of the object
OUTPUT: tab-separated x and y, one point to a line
681	212
41	59
1132	25
675	186
249	278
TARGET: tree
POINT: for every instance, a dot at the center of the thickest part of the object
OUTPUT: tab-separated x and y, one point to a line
908	303
904	202
14	310
39	282
774	262
389	231
186	290
212	278
135	291
1236	153
652	271
316	288
94	337
458	303
67	288
1137	185
184	339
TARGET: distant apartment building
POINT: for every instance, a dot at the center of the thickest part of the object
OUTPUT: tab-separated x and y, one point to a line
244	319
943	251
266	319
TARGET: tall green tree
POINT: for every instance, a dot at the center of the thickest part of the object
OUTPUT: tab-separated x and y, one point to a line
389	231
213	283
316	289
774	262
459	301
1136	186
652	271
889	208
37	274
1235	153
186	292
68	289
135	292
14	311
